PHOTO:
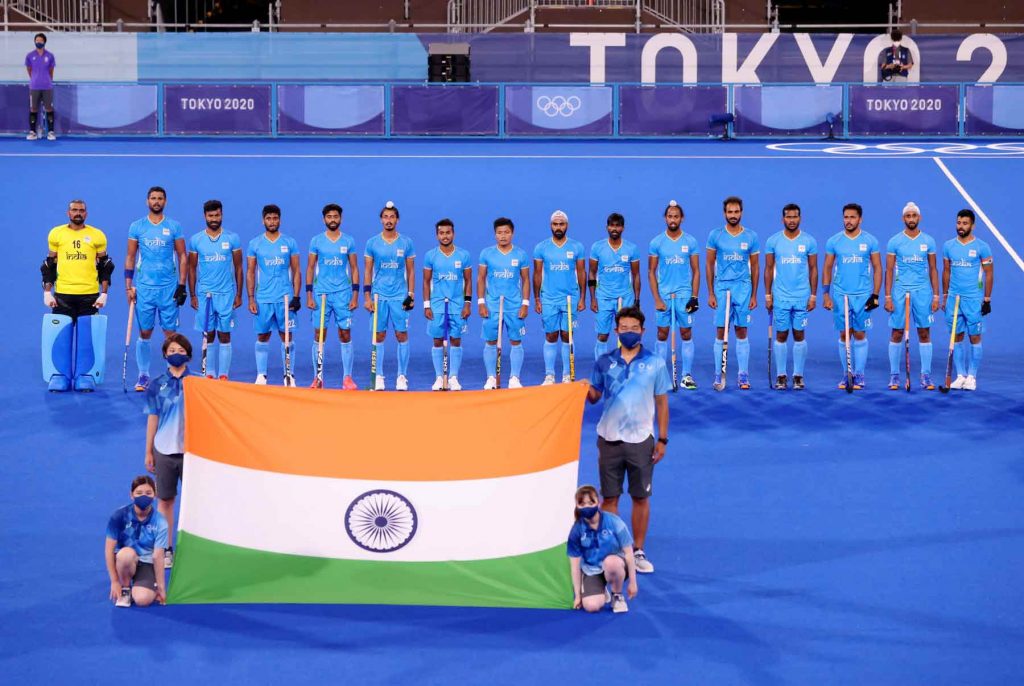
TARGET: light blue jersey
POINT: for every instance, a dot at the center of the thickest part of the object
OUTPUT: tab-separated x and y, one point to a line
273	266
216	268
614	269
628	392
732	258
333	274
674	274
911	259
792	279
852	269
156	265
389	280
447	275
592	546
966	277
559	269
504	273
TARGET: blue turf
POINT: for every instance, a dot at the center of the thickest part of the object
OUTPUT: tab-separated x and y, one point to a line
814	538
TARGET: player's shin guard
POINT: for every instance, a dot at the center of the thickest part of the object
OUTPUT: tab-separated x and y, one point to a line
600	348
347	358
800	357
403	358
437	357
491	359
454	359
661	349
90	351
743	355
516	355
143	348
223	359
58	338
262	357
550	353
894	357
960	358
686	359
972	369
860	355
925	350
779	352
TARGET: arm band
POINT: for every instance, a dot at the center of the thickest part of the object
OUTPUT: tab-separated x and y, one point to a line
309	288
129	273
355	288
592	283
366	289
480	301
469	298
526	302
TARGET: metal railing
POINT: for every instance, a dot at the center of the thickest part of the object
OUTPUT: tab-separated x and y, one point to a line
692	16
54	15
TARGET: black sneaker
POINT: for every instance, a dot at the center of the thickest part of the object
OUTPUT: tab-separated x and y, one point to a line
798	383
780	383
688	383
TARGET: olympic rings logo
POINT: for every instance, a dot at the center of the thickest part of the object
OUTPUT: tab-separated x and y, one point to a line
915	148
558	105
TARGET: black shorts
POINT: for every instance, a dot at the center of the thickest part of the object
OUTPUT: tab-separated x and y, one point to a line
145	575
168	472
75	306
617	459
595	585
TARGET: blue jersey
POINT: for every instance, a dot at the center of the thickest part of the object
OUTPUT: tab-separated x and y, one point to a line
614	269
127	531
674	274
911	259
504	273
593	545
389	265
156	265
216	267
732	259
628	392
447	274
792	279
852	270
273	266
333	274
559	269
165	400
965	261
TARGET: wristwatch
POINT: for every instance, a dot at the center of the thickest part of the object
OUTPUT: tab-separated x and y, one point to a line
663	441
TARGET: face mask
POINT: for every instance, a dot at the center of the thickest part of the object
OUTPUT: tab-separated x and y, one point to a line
143	501
40	46
629	339
588	512
178	359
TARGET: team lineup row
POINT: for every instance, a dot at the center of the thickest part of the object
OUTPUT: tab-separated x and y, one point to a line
215	268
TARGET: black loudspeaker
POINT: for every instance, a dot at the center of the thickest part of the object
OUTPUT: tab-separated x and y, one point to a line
448	62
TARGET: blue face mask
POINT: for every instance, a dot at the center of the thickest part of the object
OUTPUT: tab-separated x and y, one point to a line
178	359
143	501
588	512
629	339
40	46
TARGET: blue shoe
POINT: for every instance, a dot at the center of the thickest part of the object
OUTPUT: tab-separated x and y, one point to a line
894	382
858	382
743	381
85	384
842	383
142	383
718	383
59	384
926	382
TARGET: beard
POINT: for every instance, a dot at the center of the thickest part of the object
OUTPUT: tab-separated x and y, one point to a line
558	234
213	225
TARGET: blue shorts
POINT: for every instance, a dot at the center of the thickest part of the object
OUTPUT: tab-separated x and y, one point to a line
390	312
555	318
860	319
606	310
739	303
683	320
789	314
222	313
152	300
337	307
513	328
270	317
456	324
920	308
968	318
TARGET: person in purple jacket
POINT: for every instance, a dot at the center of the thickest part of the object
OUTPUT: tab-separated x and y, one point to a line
40	63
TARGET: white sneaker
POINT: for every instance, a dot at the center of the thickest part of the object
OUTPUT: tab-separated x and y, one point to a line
51	136
32	135
549	380
619	603
643	565
125	599
401	383
514	382
566	379
261	379
958	383
970	384
168	558
438	384
379	385
453	383
490	384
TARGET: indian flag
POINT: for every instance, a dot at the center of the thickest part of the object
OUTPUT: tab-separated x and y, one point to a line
305	496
